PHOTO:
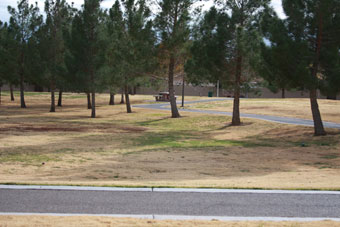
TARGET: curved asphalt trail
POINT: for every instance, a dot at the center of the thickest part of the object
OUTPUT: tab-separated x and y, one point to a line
282	120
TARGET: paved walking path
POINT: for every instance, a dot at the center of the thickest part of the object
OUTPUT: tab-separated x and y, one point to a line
171	203
282	120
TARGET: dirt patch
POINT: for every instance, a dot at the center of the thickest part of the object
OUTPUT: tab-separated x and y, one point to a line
40	129
53	128
132	129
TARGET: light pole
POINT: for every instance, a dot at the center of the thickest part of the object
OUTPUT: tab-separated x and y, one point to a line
183	82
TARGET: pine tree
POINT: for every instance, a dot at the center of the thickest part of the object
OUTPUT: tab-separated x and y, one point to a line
115	29
309	36
132	39
24	22
52	44
172	23
8	69
87	50
275	67
227	46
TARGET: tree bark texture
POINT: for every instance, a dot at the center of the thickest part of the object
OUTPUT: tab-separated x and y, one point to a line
93	112
122	97
174	110
93	93
127	99
52	96
112	99
11	91
318	125
89	105
22	94
60	98
283	93
22	81
236	106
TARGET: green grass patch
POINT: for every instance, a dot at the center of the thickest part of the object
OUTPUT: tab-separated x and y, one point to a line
331	142
330	156
64	150
75	96
183	140
192	123
325	167
28	158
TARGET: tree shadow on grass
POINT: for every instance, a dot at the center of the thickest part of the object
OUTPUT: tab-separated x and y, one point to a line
229	125
150	122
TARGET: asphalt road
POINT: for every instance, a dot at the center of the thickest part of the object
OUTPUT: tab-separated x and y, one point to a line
233	204
282	120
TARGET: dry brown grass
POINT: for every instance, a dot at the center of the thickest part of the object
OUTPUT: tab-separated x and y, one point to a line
16	221
147	148
298	108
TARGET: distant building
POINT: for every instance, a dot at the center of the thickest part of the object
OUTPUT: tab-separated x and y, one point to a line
200	90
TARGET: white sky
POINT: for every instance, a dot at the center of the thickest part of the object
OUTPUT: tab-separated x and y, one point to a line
4	16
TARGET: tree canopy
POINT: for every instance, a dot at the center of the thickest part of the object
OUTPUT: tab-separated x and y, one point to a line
304	49
137	42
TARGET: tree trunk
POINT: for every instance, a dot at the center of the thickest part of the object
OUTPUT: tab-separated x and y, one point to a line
22	95
89	106
174	110
52	97
127	99
11	91
60	98
52	101
283	93
236	108
0	93
183	85
122	98
112	99
318	125
93	113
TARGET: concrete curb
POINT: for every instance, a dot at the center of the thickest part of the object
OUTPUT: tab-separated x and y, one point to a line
179	190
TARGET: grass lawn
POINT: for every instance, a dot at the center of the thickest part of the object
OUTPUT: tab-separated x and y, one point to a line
298	108
122	222
147	148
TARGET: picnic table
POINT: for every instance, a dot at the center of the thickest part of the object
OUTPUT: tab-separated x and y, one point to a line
163	97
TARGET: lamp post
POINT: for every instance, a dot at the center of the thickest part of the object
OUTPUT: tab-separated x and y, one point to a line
183	82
